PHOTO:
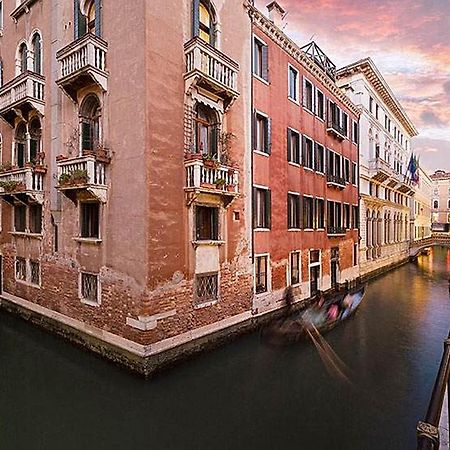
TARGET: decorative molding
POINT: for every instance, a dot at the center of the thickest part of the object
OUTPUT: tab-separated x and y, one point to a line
23	8
290	47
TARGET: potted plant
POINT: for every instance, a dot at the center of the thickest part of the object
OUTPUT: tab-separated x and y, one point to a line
79	176
12	186
209	161
64	179
220	183
5	167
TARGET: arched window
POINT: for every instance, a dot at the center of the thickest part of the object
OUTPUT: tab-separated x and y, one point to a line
90	114
90	16
37	53
35	138
206	131
20	145
87	17
204	22
435	204
23	57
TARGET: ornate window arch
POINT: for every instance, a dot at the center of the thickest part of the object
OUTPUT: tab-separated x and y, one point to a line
36	45
22	58
90	114
20	145
87	17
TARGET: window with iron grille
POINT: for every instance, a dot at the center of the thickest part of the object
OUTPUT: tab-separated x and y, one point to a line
90	219
207	223
294	211
35	272
295	268
35	216
206	288
261	274
89	287
21	268
20	218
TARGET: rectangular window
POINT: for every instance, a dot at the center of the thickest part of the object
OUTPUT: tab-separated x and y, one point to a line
262	139
347	216
262	207
294	211
320	105
308	213
21	268
295	268
371	104
89	287
344	123
260	67
347	170
308	153
293	84
308	95
320	214
261	274
35	272
293	146
377	111
354	173
355	134
206	223
334	218
355	216
90	219
20	218
35	217
319	158
206	288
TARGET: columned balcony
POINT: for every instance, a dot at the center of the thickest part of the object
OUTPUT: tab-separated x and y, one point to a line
336	181
211	177
82	174
380	170
21	95
336	231
23	184
336	130
82	63
208	68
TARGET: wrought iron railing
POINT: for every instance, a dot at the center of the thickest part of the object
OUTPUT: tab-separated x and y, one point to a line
428	437
336	230
336	179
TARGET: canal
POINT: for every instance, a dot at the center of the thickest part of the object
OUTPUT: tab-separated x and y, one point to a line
244	395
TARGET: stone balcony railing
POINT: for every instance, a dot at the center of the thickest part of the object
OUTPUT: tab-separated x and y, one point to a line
83	62
24	92
211	177
82	173
28	181
380	170
209	68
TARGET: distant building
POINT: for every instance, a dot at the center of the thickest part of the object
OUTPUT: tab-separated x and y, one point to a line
440	201
305	159
385	151
421	215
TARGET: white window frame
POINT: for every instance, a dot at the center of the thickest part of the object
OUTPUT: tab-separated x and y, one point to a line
257	112
289	269
300	142
315	264
300	197
301	153
267	188
324	213
297	82
262	42
99	289
305	107
324	104
323	158
303	208
268	275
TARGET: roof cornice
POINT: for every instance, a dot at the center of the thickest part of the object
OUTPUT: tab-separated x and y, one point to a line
290	47
370	71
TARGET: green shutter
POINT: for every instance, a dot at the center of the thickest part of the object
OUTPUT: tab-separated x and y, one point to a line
195	17
98	21
268	136
268	208
265	62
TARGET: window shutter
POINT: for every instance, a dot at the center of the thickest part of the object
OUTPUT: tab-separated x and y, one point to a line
265	62
313	99
98	18
195	17
289	219
254	130
304	157
215	224
316	159
304	92
269	208
86	136
197	223
254	204
289	147
80	25
215	140
269	136
299	211
324	101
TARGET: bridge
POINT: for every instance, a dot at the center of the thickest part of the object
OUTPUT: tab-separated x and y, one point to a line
436	239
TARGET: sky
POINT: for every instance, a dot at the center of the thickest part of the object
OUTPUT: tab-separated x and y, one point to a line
409	41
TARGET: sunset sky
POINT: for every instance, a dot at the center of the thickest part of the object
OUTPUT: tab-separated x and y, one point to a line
409	41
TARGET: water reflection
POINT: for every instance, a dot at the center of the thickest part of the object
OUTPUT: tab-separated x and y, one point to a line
244	395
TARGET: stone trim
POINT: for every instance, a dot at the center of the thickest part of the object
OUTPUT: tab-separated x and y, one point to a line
291	48
146	323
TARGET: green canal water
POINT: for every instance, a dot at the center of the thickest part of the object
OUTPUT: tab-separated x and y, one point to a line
244	395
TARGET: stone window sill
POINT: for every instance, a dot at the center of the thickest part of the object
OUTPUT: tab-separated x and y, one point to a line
25	234
89	241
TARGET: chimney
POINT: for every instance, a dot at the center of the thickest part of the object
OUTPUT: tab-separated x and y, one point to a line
276	13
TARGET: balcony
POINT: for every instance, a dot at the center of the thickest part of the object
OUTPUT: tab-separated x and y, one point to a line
23	184
82	63
336	231
380	170
336	181
82	174
21	95
339	131
210	177
209	69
